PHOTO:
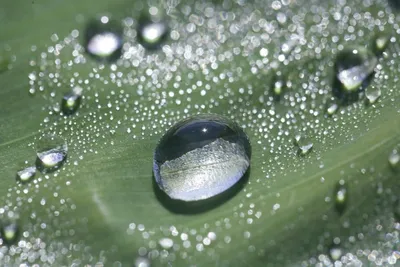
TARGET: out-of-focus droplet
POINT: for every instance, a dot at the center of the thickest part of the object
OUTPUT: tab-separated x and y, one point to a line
26	175
152	32
341	197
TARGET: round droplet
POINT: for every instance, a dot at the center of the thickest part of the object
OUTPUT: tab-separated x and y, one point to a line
201	157
303	143
335	253
166	243
142	262
353	67
26	174
394	159
152	33
372	94
71	101
9	232
103	39
51	153
340	197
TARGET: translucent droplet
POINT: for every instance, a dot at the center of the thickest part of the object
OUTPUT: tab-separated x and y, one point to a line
353	67
142	262
71	101
372	93
380	43
278	86
335	253
304	144
152	33
26	174
201	157
9	232
394	159
166	243
331	108
340	196
51	153
103	39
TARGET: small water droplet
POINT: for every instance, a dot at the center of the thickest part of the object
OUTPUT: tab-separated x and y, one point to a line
71	101
341	197
353	68
152	33
372	94
278	86
166	243
26	174
9	231
103	39
201	157
335	252
51	153
331	107
394	159
303	143
380	42
142	262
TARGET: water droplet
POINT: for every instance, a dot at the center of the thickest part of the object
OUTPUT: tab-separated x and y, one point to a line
394	159
26	174
166	243
380	42
303	143
142	262
51	153
71	101
278	86
353	69
201	157
372	94
9	232
103	39
331	107
152	33
340	196
335	252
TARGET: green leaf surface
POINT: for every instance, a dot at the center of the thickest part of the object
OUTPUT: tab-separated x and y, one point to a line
103	205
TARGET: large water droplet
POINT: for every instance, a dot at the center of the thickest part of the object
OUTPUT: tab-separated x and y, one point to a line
353	68
340	197
201	157
372	94
152	33
103	39
51	153
26	174
304	144
71	101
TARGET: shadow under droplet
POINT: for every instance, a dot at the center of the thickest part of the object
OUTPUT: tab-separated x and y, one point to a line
201	206
347	98
44	169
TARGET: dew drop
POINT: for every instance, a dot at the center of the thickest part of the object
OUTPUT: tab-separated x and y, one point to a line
394	159
340	196
152	33
9	232
71	101
278	86
26	174
201	157
51	153
372	94
142	262
166	243
335	253
103	39
303	143
380	43
353	69
331	107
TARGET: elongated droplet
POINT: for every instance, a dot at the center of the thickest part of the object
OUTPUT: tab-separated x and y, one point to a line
71	101
103	39
372	93
331	107
278	86
51	153
152	33
26	174
9	232
166	243
340	197
353	67
201	157
303	143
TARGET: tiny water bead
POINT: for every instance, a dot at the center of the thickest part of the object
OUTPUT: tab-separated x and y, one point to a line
71	101
103	39
51	153
26	175
152	33
341	197
353	67
201	157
